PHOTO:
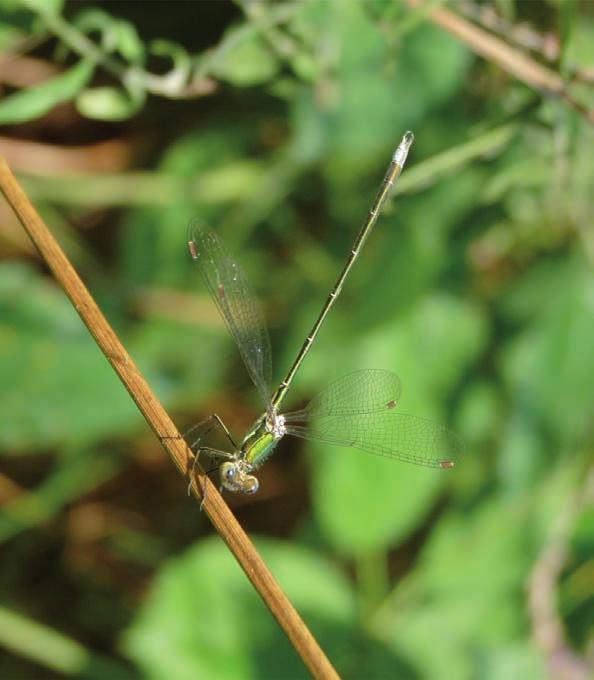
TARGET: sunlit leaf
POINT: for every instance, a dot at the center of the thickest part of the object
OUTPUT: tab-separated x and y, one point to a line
67	391
210	622
429	349
465	590
109	103
545	363
38	100
51	7
247	61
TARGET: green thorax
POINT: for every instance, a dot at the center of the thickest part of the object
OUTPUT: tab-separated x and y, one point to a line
259	442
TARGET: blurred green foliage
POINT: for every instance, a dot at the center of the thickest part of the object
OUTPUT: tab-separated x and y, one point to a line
274	122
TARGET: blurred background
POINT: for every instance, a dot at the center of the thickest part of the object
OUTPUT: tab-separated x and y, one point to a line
275	122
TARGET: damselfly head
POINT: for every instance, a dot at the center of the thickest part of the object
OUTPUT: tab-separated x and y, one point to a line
234	477
193	250
250	484
446	464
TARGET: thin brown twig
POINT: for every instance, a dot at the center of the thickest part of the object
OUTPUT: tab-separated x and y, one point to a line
547	45
156	416
514	61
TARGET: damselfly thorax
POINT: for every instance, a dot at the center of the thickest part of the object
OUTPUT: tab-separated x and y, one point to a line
257	445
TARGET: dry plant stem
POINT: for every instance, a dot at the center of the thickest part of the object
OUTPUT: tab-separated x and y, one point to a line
521	34
512	60
156	416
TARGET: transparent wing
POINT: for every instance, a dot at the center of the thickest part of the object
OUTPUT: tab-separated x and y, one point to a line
235	299
364	391
388	433
358	410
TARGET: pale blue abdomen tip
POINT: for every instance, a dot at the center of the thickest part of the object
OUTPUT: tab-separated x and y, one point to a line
402	151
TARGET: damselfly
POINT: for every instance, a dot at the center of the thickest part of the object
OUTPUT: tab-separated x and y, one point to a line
357	410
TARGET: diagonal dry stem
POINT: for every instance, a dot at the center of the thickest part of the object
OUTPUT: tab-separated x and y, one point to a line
512	60
156	416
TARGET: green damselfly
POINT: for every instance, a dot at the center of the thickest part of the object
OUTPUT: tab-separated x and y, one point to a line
357	410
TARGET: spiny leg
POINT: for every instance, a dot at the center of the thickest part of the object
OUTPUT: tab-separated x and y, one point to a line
215	453
216	420
207	473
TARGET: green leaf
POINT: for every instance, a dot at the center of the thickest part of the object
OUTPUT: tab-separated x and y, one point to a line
50	7
17	24
51	651
578	50
210	623
163	231
361	75
247	61
129	44
92	19
522	450
429	349
521	659
75	473
117	35
37	101
67	391
109	103
386	500
545	364
480	412
466	592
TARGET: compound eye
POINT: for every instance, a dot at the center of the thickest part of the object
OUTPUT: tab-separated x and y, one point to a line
251	484
229	473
